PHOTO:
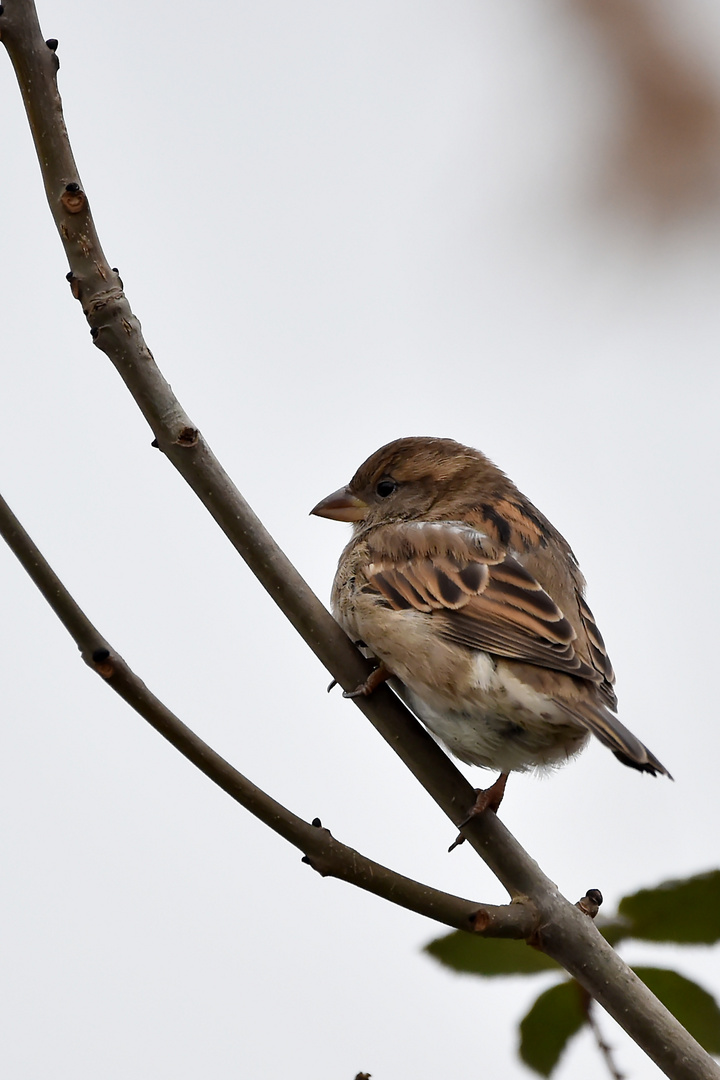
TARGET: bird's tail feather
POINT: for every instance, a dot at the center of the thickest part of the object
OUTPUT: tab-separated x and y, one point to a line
607	728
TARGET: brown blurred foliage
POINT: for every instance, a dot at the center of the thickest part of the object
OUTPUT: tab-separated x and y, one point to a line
667	155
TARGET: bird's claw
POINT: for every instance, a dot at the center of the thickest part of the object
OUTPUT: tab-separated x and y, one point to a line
485	799
374	679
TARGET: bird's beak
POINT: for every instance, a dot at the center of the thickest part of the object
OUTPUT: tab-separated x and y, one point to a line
342	505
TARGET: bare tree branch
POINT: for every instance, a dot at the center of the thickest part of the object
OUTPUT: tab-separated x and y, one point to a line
566	934
322	851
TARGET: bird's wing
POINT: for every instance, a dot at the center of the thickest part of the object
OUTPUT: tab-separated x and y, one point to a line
483	598
477	595
598	652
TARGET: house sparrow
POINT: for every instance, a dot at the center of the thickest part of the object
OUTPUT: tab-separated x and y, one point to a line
473	604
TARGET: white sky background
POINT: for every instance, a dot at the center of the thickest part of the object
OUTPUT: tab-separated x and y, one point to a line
338	224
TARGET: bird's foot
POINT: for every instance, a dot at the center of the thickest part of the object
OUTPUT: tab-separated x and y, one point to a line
374	679
485	799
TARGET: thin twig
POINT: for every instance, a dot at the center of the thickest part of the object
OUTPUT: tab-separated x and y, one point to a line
116	331
606	1051
322	851
603	1047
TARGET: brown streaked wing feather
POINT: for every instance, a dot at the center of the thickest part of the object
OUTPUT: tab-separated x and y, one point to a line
476	597
513	583
427	565
598	652
491	636
426	585
495	606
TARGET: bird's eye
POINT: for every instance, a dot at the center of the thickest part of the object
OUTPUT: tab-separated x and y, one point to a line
385	488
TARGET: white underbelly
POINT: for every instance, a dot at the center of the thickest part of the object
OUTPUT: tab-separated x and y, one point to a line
502	723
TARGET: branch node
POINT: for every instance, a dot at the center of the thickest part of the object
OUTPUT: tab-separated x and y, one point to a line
590	903
52	44
73	199
480	920
517	920
188	437
322	871
102	662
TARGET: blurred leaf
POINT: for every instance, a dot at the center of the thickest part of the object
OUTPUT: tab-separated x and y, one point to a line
689	1003
477	955
682	911
554	1018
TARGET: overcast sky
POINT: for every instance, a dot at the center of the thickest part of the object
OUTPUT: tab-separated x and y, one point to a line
338	224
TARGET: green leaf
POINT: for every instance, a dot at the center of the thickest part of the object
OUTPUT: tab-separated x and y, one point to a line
554	1018
689	1003
685	911
476	955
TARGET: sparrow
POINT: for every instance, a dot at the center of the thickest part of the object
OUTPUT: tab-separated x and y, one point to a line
474	606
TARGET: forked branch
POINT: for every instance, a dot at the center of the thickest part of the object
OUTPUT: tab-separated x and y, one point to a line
565	933
321	850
